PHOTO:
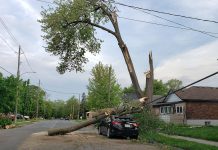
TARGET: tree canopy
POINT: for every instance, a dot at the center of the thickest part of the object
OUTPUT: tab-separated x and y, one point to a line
103	89
70	33
174	84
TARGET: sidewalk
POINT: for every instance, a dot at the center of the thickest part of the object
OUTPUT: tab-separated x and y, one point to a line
192	139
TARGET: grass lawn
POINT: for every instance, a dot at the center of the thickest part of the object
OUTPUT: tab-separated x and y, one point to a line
177	142
207	132
20	123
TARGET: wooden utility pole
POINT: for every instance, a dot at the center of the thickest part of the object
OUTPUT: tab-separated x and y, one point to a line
109	88
18	78
78	108
37	103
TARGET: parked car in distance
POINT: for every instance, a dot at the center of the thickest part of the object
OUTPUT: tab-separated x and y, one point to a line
19	116
67	118
123	126
26	117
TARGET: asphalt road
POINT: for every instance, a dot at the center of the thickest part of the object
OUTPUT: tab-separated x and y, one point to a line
11	139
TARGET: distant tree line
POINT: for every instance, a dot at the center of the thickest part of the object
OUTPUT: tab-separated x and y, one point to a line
28	97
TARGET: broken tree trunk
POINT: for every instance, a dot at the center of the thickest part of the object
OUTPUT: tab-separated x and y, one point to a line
150	79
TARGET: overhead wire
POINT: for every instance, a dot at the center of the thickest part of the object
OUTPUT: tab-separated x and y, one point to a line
45	1
9	46
160	24
166	13
6	70
8	31
190	28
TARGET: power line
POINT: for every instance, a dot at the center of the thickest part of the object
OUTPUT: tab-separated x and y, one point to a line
190	28
28	63
11	48
8	31
6	70
159	24
45	1
60	92
166	13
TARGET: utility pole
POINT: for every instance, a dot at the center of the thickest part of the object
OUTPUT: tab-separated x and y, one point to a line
109	88
79	108
37	103
18	78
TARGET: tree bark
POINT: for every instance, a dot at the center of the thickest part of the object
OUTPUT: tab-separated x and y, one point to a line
150	79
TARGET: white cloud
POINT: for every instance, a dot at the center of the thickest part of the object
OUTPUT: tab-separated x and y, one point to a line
191	65
28	9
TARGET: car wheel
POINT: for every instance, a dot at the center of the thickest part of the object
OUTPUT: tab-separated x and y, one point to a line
99	130
135	137
108	133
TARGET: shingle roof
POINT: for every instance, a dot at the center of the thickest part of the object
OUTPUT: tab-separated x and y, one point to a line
198	93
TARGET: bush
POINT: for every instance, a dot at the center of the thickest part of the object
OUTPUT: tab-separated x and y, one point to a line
5	121
149	122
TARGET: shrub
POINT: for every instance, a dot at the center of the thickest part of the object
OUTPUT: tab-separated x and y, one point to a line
5	121
149	125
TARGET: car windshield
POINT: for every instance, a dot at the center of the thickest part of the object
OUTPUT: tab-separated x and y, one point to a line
122	119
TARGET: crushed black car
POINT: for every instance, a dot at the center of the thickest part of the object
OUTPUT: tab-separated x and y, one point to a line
122	126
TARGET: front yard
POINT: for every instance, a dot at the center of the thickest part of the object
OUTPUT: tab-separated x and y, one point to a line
187	145
206	132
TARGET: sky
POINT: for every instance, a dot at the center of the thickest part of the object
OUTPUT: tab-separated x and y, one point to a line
182	54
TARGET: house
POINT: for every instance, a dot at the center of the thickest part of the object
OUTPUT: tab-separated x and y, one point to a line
193	106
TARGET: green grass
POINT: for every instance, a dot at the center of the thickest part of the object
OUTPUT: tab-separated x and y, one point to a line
21	123
187	145
207	132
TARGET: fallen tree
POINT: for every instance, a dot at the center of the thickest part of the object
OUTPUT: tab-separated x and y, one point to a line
101	115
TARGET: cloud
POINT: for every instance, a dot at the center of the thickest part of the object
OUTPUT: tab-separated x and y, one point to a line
28	9
191	65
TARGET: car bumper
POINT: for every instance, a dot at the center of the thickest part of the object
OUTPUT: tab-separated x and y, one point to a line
124	132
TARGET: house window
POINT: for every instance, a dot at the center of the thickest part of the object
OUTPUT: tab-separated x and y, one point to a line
179	109
165	110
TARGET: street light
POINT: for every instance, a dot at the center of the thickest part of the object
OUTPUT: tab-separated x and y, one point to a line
17	94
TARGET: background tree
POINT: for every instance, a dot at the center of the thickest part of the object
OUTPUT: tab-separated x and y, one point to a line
69	29
129	89
174	84
72	108
103	89
159	87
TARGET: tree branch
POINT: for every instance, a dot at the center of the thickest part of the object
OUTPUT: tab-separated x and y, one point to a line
93	24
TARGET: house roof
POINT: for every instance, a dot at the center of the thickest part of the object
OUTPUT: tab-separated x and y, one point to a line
199	93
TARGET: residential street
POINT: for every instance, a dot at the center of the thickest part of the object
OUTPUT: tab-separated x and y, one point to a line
34	137
11	139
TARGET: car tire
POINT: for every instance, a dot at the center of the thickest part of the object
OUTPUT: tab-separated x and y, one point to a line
99	130
134	137
109	133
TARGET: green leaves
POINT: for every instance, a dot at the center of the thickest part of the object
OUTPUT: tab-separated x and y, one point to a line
70	33
103	89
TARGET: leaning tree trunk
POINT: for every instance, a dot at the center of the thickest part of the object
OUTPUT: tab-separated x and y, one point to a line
113	18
